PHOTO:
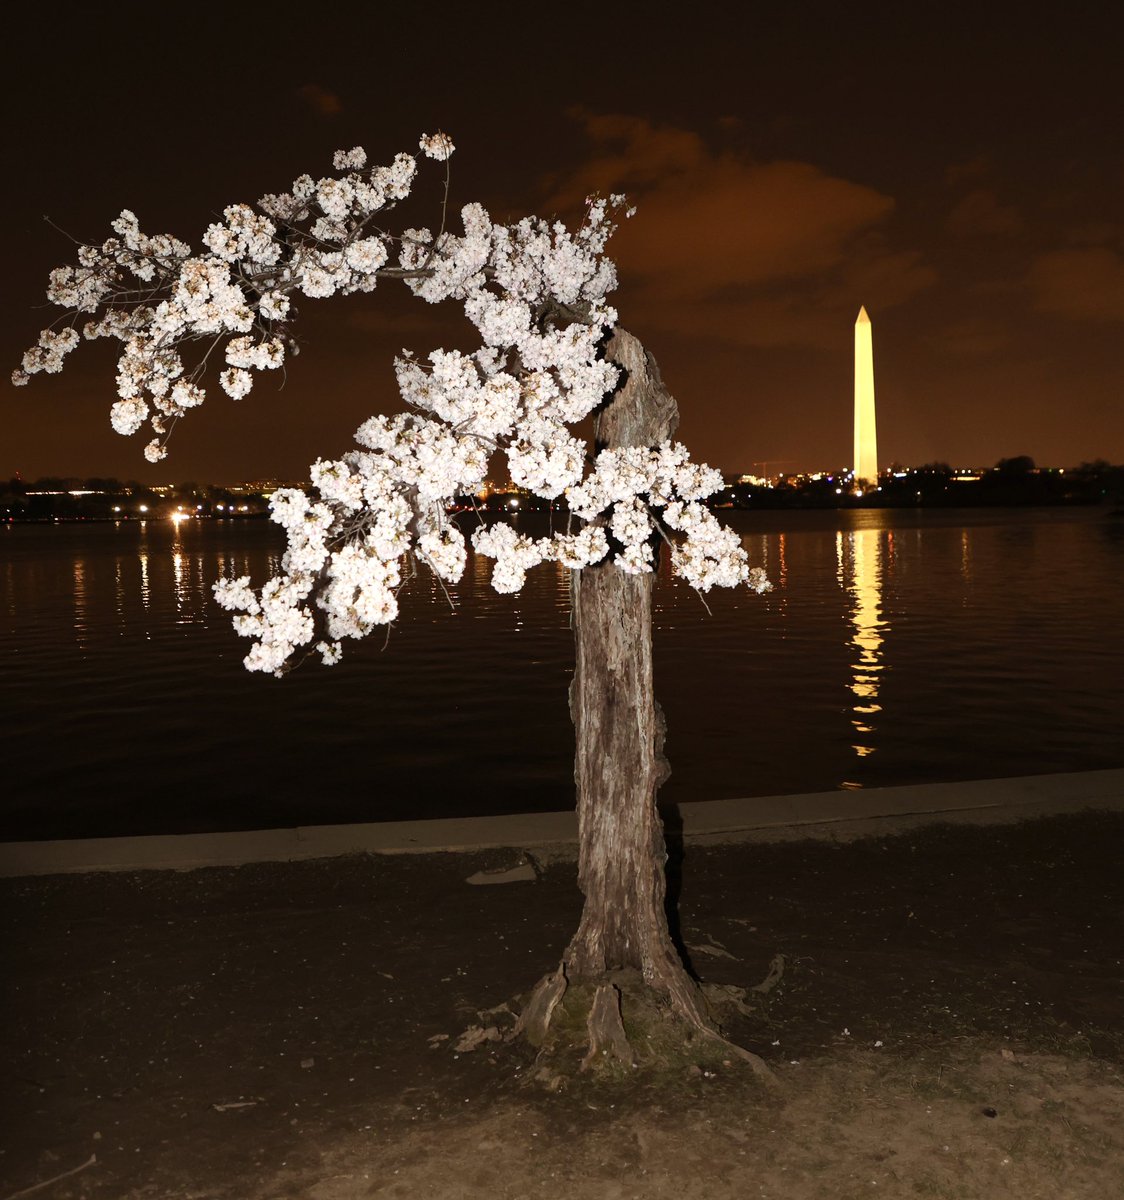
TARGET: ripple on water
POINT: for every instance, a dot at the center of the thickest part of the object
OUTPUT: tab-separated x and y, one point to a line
894	648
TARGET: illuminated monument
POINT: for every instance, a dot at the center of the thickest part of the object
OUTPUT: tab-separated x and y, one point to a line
866	438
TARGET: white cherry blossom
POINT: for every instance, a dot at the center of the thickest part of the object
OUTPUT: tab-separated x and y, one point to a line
534	290
436	145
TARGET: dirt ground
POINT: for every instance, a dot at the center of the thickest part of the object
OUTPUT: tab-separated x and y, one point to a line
948	1024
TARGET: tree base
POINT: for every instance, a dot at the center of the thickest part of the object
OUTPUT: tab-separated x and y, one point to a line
618	1026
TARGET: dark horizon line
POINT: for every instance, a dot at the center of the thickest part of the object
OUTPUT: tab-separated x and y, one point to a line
1011	462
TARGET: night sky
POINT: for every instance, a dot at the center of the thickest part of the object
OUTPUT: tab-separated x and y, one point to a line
957	170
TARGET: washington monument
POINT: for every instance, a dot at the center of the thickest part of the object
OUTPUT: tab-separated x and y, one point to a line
866	437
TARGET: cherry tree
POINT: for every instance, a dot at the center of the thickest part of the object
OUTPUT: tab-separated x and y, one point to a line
551	356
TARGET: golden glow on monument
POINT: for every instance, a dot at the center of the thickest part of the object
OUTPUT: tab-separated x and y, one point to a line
866	438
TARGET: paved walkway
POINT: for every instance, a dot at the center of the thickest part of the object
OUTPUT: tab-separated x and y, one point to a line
839	815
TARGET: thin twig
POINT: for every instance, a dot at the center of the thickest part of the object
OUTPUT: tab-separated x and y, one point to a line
59	229
440	581
663	533
38	1187
445	199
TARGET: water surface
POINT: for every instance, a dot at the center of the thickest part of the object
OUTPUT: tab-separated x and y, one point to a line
896	647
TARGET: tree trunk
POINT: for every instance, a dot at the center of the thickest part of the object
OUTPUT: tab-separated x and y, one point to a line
622	963
619	763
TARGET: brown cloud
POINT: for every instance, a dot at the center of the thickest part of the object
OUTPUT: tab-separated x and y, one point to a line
758	253
320	100
971	339
980	213
1096	233
971	171
1085	283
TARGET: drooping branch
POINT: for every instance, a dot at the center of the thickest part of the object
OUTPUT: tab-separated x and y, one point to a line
536	293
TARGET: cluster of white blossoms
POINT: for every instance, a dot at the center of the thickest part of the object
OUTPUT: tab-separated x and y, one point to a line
534	290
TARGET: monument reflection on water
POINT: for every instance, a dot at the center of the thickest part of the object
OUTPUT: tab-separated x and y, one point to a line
860	554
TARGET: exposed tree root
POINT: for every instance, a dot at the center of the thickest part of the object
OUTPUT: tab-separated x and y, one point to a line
534	1021
605	1029
619	1024
776	971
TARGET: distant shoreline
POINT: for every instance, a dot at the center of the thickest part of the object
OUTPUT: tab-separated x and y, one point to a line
796	503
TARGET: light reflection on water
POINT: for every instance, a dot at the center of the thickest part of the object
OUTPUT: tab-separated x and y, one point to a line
142	557
81	621
865	586
894	648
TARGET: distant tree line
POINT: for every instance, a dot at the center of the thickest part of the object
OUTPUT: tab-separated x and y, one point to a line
1012	481
72	499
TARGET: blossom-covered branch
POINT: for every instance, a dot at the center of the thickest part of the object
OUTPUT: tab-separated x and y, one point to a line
536	293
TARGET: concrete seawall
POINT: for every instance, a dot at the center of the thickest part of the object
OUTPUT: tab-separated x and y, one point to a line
839	815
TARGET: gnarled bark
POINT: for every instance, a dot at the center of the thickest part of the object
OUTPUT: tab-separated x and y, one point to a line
622	946
619	763
618	768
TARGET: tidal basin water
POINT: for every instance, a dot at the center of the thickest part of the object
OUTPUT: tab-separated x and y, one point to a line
896	647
